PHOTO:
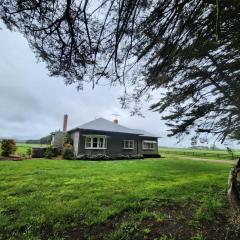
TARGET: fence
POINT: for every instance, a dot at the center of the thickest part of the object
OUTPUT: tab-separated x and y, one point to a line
201	154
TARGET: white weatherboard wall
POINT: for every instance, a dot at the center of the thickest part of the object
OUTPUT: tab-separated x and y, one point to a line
75	137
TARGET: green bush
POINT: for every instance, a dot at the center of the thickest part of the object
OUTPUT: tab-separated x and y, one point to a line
128	156
83	157
68	151
152	155
99	156
49	153
67	139
8	147
29	152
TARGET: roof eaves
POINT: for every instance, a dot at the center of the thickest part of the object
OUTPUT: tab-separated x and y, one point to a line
91	129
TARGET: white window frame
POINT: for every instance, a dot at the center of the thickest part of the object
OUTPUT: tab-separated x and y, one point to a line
153	143
127	144
91	137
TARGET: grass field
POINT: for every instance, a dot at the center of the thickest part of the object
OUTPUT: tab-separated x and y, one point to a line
201	153
22	148
171	152
161	199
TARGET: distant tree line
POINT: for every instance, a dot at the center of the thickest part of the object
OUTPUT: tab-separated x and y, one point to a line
43	140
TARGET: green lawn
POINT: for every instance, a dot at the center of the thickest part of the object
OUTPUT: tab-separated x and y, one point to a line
58	199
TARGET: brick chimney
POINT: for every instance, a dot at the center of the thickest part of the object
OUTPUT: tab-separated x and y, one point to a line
115	121
65	122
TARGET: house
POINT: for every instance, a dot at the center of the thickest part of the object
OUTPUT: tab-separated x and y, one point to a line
102	136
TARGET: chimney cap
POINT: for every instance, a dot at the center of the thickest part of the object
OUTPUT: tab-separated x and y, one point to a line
115	120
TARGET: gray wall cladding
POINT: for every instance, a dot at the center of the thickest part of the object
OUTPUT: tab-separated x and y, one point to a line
115	143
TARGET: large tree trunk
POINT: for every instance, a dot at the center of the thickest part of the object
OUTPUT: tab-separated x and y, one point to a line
234	191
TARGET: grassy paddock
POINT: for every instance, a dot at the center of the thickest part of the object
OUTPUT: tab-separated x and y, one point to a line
202	153
58	199
22	148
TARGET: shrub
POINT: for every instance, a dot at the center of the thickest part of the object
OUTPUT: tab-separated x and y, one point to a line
138	156
49	153
82	157
67	139
121	156
99	156
8	147
67	152
198	236
46	140
152	155
56	151
130	156
29	152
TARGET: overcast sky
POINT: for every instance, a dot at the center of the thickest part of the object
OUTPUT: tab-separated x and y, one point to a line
32	104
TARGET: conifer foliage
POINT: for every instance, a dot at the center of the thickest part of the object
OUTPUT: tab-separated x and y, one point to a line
189	48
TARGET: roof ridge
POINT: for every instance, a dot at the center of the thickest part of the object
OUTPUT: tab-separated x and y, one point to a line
115	124
102	124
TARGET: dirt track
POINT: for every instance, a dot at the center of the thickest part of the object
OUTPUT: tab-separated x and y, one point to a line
207	160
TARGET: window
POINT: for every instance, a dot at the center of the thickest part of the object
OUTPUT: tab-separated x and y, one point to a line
149	145
92	142
88	142
101	142
95	142
128	144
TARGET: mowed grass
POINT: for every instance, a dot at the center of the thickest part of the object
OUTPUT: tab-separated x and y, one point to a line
53	199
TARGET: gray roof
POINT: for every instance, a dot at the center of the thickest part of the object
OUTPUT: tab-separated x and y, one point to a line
101	124
144	133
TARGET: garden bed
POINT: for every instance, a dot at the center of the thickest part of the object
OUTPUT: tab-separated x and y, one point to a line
13	158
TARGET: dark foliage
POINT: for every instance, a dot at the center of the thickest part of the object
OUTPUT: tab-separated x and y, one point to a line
43	140
46	140
151	155
67	152
189	48
67	139
8	147
49	152
128	156
33	141
29	152
100	156
38	152
82	157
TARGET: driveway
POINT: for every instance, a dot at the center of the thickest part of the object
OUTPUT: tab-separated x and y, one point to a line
207	160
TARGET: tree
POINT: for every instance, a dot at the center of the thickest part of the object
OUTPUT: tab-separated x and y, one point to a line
67	139
189	48
46	140
8	147
194	142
